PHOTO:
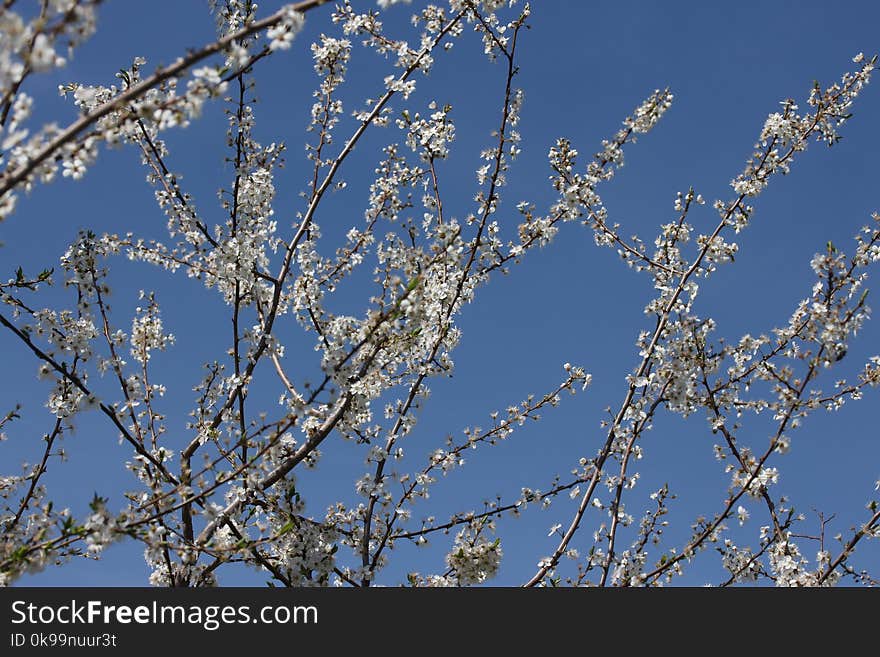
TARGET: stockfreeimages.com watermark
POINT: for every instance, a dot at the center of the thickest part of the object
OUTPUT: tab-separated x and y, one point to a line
210	617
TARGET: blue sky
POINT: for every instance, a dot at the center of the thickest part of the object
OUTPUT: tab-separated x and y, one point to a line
584	67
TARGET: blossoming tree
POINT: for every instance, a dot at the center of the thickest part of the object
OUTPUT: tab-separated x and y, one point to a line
227	486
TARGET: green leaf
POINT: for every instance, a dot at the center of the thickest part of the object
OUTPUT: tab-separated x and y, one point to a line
19	553
97	502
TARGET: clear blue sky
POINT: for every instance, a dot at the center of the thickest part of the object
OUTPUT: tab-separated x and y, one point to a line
584	67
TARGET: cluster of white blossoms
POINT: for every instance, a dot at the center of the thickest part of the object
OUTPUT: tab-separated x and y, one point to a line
100	528
474	561
789	567
281	34
231	484
304	550
147	333
429	136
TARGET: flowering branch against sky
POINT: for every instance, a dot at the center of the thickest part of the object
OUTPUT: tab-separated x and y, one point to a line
266	363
